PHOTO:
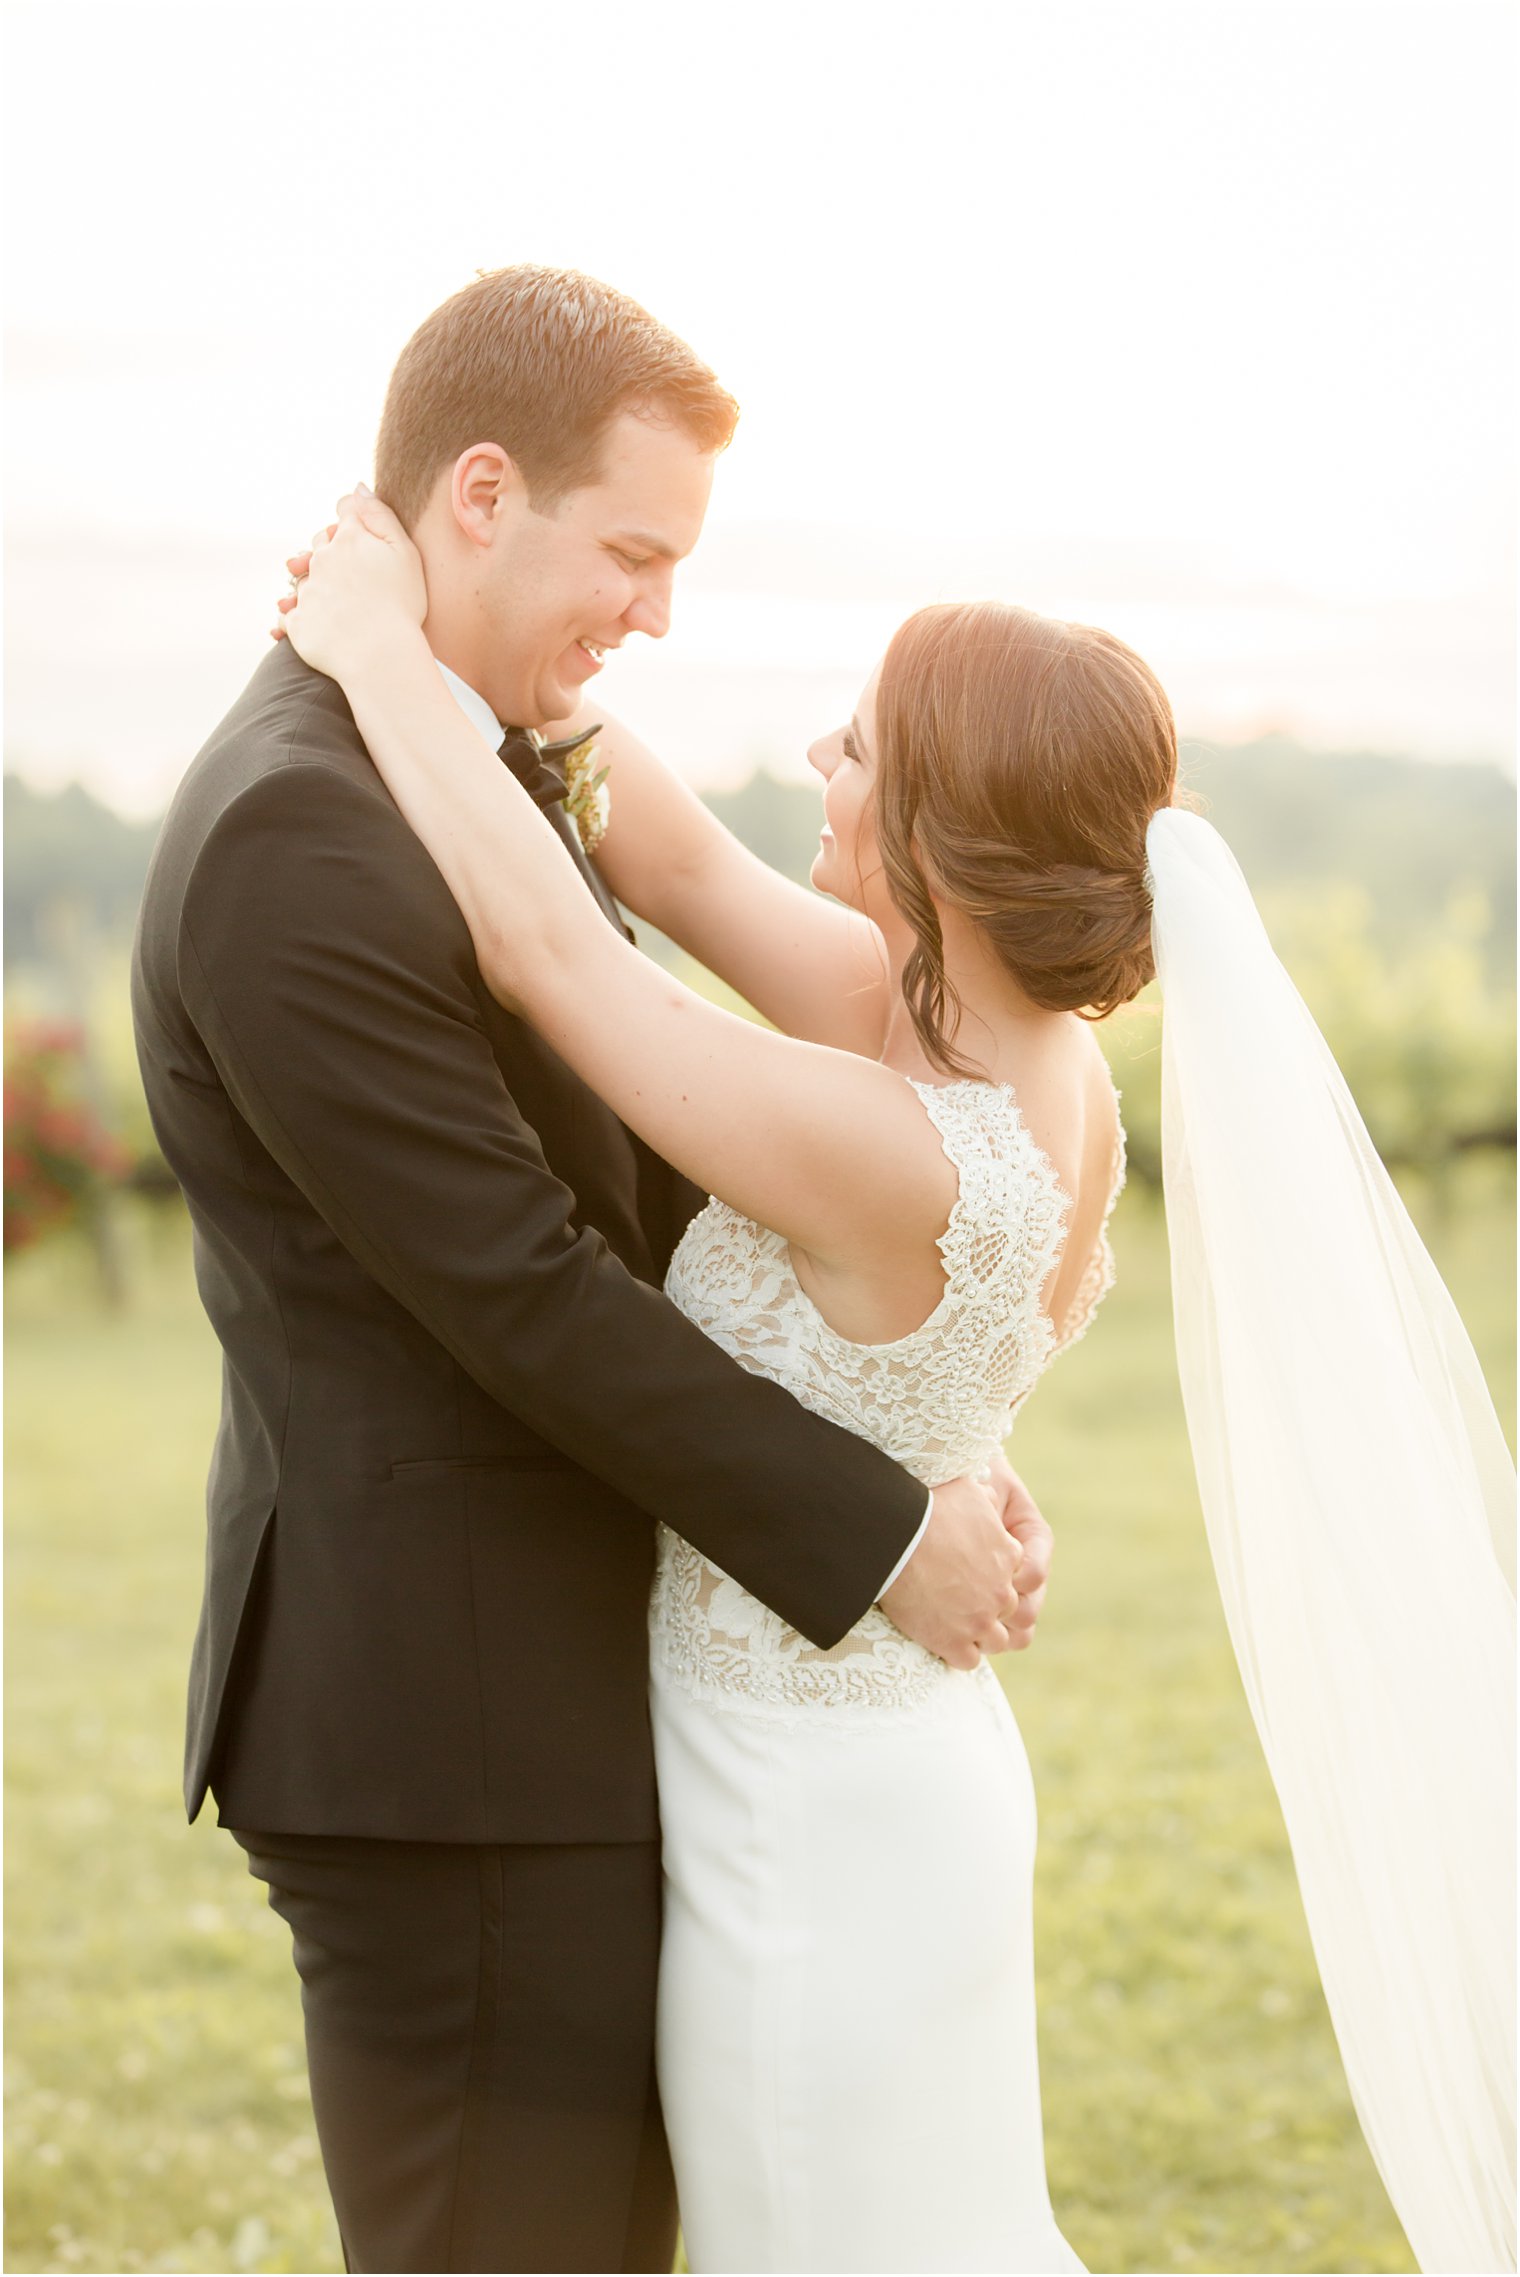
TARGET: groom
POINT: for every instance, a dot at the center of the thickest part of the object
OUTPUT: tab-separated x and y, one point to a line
454	1400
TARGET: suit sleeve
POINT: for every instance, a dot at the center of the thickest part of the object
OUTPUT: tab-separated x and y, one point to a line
333	982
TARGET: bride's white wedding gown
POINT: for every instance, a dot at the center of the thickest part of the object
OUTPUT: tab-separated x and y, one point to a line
847	2024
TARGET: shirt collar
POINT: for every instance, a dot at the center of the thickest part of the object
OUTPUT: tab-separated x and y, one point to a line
474	706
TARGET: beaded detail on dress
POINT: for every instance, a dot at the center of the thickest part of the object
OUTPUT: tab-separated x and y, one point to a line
939	1400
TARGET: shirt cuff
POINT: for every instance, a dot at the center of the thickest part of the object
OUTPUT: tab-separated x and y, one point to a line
923	1528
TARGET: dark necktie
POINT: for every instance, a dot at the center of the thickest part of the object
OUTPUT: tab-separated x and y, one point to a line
539	766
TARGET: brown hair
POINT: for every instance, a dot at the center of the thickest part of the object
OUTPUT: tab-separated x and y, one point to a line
1020	760
538	361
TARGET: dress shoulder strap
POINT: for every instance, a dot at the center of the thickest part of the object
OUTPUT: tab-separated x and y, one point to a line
1006	1227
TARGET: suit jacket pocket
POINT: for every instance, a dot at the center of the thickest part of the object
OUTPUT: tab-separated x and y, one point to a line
481	1466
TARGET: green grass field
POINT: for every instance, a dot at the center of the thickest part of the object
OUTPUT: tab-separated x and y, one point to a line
1196	2115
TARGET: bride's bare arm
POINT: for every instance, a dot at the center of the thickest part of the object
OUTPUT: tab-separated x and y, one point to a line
812	967
824	1146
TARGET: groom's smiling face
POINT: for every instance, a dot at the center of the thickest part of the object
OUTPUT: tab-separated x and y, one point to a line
546	591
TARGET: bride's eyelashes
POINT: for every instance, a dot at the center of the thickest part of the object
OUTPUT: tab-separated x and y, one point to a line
849	746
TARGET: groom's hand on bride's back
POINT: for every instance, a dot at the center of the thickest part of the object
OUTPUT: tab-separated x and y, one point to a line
1026	1523
958	1595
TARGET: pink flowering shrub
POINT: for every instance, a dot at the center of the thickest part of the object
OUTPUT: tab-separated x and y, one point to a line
58	1153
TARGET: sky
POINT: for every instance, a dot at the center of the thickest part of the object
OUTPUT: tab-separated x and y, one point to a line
1195	321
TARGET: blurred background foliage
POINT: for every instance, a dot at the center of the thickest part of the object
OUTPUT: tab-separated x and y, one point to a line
1388	886
1197	2116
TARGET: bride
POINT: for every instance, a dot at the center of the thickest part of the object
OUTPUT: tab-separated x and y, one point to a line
912	1172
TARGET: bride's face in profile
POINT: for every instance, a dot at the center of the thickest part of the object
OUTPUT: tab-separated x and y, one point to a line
848	864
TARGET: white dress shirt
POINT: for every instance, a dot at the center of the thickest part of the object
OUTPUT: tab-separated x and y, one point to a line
474	706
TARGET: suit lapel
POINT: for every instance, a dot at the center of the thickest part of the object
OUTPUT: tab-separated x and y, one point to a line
566	831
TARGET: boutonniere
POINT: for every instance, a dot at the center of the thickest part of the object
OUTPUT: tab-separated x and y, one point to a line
588	801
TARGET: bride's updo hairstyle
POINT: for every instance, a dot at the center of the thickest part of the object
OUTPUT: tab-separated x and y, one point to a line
1019	761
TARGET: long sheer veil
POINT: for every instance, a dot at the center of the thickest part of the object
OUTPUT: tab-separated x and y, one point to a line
1359	1500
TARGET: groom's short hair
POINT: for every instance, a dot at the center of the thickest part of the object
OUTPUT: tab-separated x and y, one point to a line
539	361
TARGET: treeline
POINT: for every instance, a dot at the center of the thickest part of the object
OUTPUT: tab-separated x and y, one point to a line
1388	886
1412	836
65	850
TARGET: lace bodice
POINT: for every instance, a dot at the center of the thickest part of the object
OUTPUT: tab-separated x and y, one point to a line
940	1400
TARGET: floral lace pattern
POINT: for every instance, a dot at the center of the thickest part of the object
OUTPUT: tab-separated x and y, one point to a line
939	1400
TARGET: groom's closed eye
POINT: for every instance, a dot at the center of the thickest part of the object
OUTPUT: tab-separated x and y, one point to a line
640	547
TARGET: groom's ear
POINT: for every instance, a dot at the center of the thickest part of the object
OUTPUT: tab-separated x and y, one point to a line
484	484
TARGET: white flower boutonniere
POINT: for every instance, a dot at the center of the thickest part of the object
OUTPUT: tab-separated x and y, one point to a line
588	801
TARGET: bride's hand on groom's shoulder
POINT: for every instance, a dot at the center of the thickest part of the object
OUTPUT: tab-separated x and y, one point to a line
359	582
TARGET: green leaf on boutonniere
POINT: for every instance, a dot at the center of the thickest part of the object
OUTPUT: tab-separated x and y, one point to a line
587	800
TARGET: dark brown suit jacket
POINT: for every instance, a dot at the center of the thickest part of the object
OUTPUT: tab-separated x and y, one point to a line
454	1400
